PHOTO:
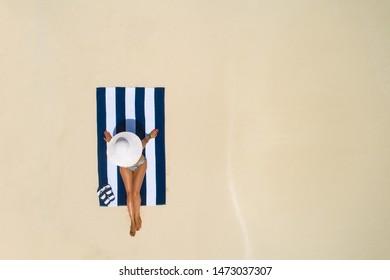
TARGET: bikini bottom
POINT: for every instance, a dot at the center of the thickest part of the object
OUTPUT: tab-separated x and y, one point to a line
135	166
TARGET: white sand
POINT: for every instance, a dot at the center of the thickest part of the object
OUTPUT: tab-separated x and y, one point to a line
277	118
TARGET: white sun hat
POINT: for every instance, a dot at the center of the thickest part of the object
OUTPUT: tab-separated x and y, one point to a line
124	149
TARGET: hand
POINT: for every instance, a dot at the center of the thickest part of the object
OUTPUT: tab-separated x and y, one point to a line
153	133
107	136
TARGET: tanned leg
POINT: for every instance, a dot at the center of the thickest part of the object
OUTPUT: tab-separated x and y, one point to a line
128	177
138	178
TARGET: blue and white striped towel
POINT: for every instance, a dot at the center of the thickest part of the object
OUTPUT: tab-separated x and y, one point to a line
138	110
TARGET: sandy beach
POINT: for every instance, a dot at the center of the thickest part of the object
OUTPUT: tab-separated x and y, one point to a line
277	127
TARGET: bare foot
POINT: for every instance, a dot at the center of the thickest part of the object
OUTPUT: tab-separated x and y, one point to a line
138	223
107	136
132	229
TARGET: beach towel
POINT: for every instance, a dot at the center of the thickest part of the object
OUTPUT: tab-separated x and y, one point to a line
138	110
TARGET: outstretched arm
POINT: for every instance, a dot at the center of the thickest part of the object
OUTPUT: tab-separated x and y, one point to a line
152	134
